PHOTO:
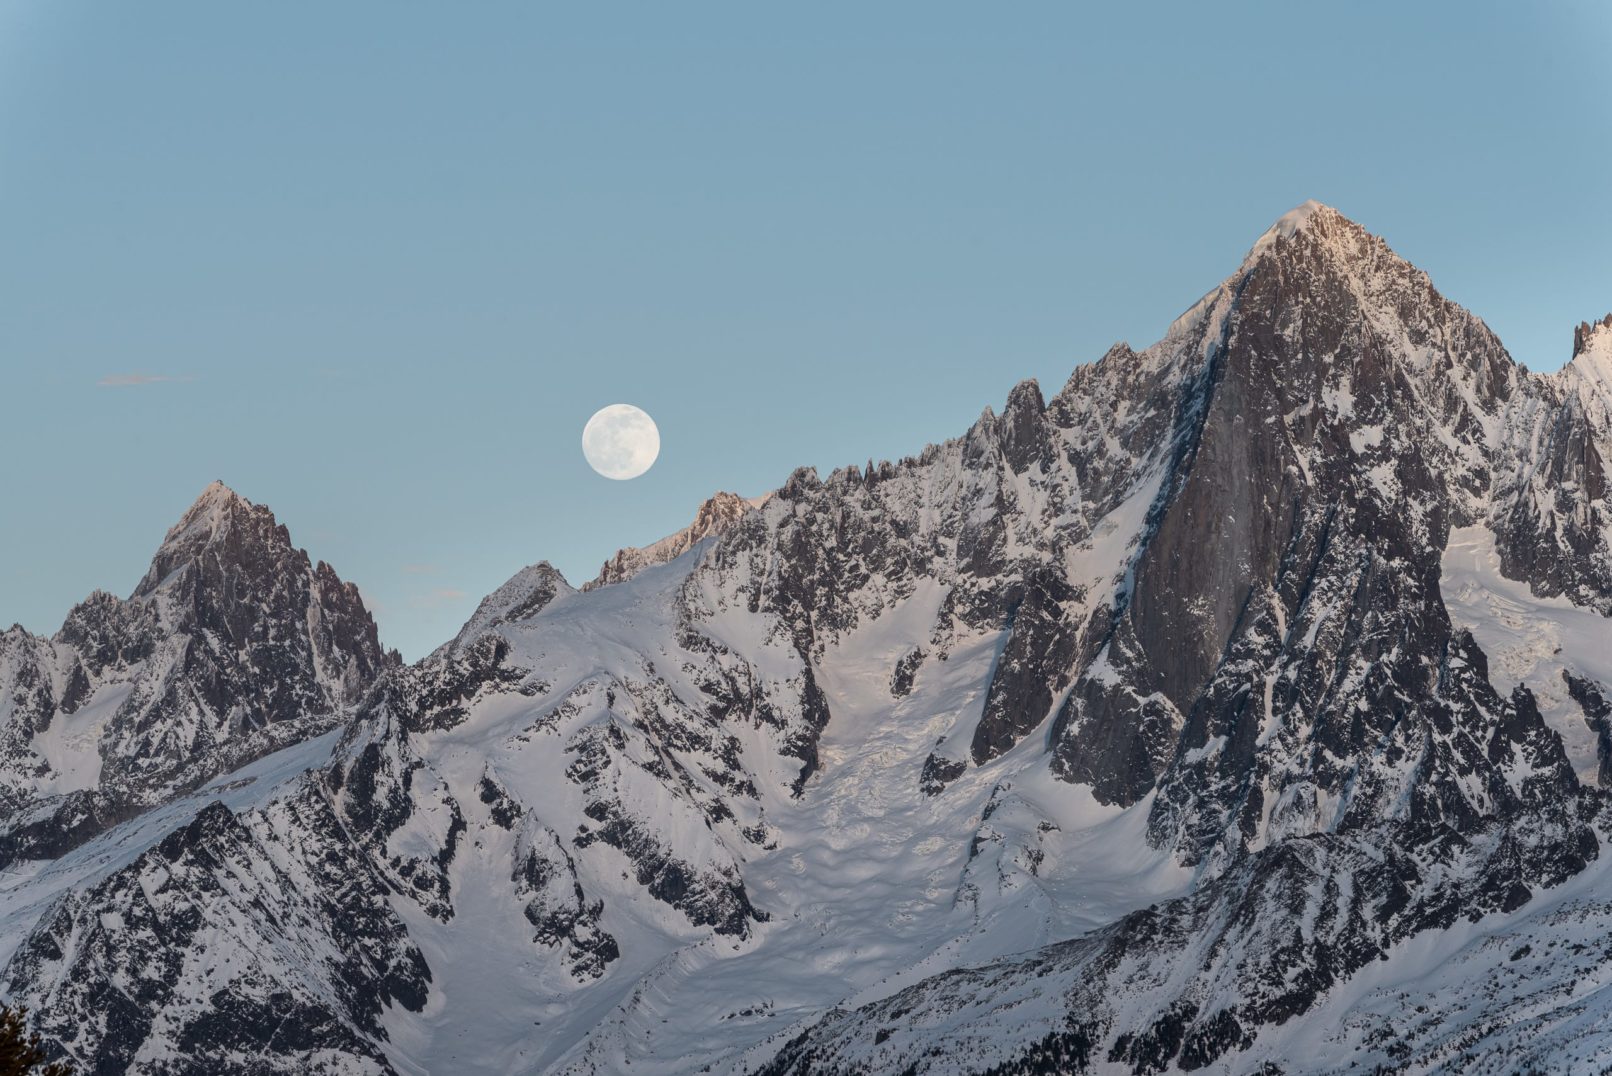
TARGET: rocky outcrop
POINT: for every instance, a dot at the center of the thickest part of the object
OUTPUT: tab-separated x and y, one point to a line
236	944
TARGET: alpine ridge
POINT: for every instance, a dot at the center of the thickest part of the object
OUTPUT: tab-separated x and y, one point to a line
1241	707
713	517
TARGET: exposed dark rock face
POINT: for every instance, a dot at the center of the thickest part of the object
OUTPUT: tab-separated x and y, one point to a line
1552	519
1022	429
228	577
709	898
1042	643
1297	461
232	646
438	696
151	952
391	804
1010	501
939	772
1553	535
905	671
1598	715
546	879
1109	737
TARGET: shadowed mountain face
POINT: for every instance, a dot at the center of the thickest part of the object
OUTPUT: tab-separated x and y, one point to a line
1123	733
233	645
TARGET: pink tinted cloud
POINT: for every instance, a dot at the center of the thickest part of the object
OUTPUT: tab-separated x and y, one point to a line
123	381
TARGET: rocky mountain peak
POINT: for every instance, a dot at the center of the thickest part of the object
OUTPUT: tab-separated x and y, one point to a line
1321	248
1592	357
1352	310
1308	216
210	513
717	513
715	516
217	493
233	645
1588	377
1594	338
229	573
1021	426
524	594
225	529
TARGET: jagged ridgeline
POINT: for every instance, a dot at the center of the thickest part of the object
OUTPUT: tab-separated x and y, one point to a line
1244	707
232	646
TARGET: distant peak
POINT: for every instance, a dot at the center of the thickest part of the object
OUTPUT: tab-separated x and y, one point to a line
1593	336
219	516
1025	393
1591	367
523	595
715	516
718	508
217	491
1300	215
208	512
542	574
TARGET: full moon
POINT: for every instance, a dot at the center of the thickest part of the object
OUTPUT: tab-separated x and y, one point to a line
620	441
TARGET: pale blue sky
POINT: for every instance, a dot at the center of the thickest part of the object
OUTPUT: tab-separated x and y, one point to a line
391	256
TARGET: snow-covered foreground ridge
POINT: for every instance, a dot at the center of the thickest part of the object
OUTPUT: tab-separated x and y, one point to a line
1244	707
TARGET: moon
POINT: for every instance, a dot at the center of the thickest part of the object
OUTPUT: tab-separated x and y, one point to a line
620	441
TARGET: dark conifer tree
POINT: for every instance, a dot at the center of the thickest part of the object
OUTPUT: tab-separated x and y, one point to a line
22	1053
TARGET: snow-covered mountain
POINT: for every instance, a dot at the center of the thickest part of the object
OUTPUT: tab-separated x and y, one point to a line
1244	707
232	646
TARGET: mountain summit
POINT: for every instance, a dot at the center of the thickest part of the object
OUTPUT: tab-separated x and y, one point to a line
1593	340
1247	694
232	645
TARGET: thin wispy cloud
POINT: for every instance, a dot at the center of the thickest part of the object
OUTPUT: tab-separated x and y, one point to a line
123	381
438	597
419	569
